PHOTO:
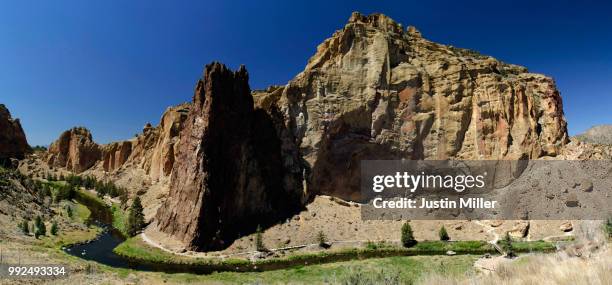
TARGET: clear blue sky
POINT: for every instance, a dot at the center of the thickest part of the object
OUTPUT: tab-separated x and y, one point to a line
112	66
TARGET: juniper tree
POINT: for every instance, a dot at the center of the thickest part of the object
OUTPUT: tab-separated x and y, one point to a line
41	229
135	218
259	244
54	228
443	234
407	235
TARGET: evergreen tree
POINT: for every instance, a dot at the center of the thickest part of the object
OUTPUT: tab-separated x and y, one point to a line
135	218
407	235
259	244
54	228
41	229
508	245
25	227
69	211
443	234
123	197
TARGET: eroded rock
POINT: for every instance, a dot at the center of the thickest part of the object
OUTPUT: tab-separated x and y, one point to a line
13	142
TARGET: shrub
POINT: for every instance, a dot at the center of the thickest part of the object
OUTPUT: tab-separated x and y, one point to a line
443	234
135	218
407	236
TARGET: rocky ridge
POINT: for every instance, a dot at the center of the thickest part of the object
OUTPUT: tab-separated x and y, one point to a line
13	142
601	134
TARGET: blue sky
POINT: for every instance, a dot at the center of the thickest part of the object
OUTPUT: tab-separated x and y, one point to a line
114	65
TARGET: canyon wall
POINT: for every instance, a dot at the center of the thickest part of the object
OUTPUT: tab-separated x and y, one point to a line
236	159
152	150
13	143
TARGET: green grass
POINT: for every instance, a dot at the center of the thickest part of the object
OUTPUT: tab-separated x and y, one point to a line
403	269
119	219
530	246
80	212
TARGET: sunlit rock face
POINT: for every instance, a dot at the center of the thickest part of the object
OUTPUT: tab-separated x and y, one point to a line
376	91
74	150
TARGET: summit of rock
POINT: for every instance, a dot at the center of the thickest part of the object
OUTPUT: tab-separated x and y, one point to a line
13	142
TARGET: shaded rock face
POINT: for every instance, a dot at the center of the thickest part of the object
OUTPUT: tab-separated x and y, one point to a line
13	143
229	173
375	91
75	150
114	155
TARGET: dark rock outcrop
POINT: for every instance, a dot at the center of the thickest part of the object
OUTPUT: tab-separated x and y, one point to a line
229	175
13	143
74	150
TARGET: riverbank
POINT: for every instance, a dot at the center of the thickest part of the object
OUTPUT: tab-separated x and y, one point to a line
138	251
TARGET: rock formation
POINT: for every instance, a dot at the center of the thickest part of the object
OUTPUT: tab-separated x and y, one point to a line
74	150
230	173
371	91
601	134
152	151
376	91
13	143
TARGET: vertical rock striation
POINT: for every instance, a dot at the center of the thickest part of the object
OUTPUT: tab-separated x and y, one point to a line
376	91
229	174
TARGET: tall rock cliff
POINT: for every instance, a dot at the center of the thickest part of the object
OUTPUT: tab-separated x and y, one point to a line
74	150
376	91
13	143
229	174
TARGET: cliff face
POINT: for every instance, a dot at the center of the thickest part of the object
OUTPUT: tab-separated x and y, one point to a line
375	91
229	169
13	143
152	151
74	150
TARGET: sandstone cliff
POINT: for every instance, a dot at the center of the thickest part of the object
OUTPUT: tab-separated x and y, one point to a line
152	151
74	150
376	91
229	173
13	143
